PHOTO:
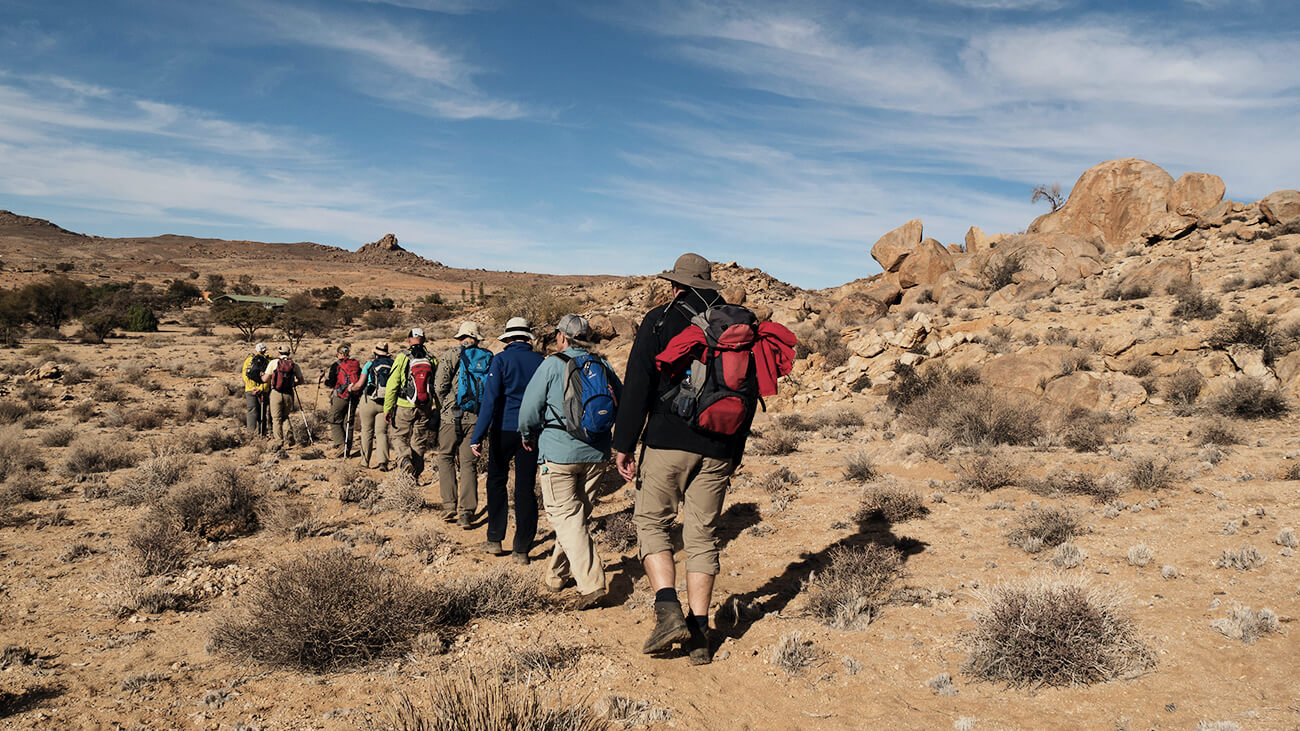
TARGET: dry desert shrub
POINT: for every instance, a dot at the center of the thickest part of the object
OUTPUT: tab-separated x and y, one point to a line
221	504
427	545
157	545
474	700
1074	361
616	531
911	383
1191	303
399	491
890	503
1183	388
92	455
152	479
860	468
107	392
1246	558
1286	538
793	654
23	486
1060	482
355	486
1053	633
540	661
975	416
1290	472
1250	398
1261	332
1245	625
794	421
836	418
1217	433
1040	528
987	472
59	436
323	611
499	593
849	592
214	439
16	455
777	442
631	713
1089	431
1150	473
284	516
12	411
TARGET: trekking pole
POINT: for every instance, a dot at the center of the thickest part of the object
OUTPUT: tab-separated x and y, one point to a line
347	432
303	414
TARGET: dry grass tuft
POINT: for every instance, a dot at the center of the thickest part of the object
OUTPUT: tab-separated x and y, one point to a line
793	654
975	416
778	442
92	455
284	516
399	491
1245	625
1250	398
1061	482
1068	556
1246	558
860	468
1150	473
221	504
1041	528
1140	555
151	480
849	592
158	546
476	701
498	593
1053	633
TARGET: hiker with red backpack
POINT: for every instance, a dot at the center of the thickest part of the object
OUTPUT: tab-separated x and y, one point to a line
461	378
568	412
410	404
283	375
344	381
694	405
498	421
374	427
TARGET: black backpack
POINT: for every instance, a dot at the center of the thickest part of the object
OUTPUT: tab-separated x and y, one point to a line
256	367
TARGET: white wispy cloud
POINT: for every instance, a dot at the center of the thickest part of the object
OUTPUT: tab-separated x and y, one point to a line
390	62
452	7
1009	4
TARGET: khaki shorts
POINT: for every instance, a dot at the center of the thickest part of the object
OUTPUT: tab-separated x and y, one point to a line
673	479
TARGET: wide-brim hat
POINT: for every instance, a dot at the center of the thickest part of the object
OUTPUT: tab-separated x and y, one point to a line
691	270
381	349
516	327
469	330
284	350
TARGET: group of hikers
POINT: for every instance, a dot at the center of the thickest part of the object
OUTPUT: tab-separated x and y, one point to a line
695	376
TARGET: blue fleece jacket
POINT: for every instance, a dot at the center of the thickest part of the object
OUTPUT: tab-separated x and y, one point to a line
544	404
503	391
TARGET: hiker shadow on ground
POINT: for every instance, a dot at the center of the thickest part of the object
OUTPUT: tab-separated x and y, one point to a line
739	612
733	521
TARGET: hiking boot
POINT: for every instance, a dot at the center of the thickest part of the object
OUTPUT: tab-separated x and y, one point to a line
465	521
519	558
449	516
557	588
493	548
698	644
587	601
670	627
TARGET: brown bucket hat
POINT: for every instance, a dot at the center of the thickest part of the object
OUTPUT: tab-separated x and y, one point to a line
691	270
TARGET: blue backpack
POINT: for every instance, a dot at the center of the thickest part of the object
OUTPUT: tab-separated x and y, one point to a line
589	402
377	377
474	366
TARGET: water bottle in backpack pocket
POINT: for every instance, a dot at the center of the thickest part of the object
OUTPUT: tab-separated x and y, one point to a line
419	378
719	393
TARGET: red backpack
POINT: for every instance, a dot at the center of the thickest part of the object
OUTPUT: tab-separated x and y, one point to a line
719	393
346	372
419	377
282	376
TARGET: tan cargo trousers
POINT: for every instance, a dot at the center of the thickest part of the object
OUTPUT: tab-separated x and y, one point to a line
566	492
374	433
454	447
281	410
412	430
673	479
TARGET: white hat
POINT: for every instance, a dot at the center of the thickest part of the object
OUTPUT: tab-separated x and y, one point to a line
284	350
469	330
415	333
260	348
516	327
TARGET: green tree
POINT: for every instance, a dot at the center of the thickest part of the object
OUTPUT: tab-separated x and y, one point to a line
247	318
180	293
101	323
57	300
348	309
216	284
14	311
141	319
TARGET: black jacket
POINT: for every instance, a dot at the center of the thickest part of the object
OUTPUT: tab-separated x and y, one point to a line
642	388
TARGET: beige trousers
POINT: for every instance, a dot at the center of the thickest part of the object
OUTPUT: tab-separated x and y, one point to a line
281	410
412	429
374	432
673	479
566	492
453	447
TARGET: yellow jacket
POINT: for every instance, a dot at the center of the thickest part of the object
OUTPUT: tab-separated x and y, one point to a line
248	384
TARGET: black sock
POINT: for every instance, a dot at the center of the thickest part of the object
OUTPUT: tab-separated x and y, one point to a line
700	623
667	595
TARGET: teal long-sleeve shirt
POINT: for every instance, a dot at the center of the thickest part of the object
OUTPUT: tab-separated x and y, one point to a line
543	404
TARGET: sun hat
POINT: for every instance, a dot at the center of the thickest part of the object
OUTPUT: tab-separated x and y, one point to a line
516	327
260	348
469	330
415	333
381	349
691	270
284	350
574	327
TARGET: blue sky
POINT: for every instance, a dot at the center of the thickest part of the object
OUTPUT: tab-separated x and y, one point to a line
608	137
